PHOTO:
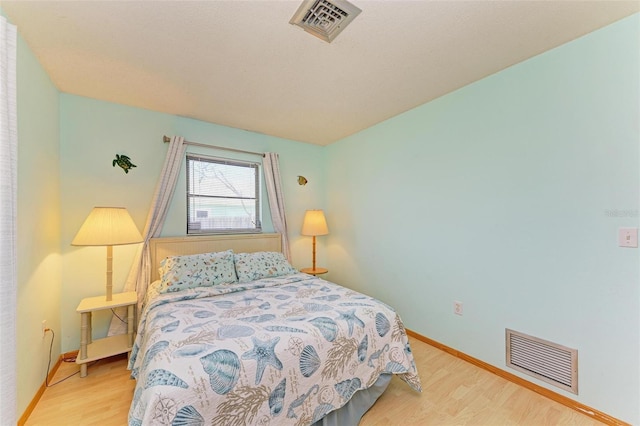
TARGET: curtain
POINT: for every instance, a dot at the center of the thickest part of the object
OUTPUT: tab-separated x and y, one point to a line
140	272
276	199
8	219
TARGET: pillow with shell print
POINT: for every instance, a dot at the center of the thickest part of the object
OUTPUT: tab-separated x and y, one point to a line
199	270
262	264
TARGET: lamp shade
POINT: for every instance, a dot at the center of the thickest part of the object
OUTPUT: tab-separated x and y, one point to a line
314	223
107	226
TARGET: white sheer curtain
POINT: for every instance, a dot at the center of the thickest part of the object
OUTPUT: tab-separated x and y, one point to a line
8	215
276	198
140	272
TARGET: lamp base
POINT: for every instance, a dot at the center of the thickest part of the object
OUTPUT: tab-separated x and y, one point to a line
314	271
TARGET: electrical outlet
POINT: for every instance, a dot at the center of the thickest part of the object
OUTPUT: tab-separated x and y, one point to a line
44	328
457	307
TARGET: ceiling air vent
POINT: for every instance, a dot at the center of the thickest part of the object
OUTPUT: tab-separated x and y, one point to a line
324	19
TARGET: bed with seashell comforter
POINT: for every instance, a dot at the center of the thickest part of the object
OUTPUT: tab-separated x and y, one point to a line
282	349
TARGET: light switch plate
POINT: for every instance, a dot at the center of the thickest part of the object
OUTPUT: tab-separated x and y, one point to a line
628	237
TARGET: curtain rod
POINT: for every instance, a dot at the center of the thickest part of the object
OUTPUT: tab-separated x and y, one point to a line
167	139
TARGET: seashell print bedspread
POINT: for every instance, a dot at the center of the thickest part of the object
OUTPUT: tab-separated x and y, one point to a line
279	351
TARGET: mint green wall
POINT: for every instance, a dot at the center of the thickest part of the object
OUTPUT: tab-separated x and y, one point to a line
507	195
39	275
93	132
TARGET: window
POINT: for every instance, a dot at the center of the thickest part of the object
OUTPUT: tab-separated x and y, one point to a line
222	196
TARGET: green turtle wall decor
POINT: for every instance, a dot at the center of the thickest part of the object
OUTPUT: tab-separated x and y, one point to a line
124	162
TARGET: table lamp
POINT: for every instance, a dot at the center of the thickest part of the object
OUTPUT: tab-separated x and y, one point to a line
314	224
108	226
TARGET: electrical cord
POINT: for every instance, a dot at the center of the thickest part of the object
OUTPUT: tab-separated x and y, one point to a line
46	378
117	316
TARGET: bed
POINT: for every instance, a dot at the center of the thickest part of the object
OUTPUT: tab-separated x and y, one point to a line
230	334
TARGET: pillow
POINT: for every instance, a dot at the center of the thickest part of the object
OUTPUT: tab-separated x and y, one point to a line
198	270
263	264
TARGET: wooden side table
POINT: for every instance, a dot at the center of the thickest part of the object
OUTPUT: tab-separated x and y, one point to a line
108	346
314	272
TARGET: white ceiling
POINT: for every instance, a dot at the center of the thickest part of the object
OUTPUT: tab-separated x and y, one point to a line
241	64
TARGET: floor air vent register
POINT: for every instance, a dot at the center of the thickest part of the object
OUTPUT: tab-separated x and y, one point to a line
547	361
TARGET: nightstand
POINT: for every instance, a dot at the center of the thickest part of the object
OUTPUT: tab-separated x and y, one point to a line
109	346
314	272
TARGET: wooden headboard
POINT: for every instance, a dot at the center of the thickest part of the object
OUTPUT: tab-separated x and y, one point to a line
180	246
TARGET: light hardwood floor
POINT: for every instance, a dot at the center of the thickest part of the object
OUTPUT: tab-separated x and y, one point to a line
454	393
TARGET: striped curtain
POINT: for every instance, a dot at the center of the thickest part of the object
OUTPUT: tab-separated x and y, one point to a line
8	215
276	199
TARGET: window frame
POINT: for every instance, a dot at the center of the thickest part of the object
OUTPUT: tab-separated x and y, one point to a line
257	228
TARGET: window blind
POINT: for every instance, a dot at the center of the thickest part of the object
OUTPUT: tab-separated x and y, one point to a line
222	195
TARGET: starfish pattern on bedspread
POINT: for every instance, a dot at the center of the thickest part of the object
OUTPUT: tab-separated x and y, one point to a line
264	354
